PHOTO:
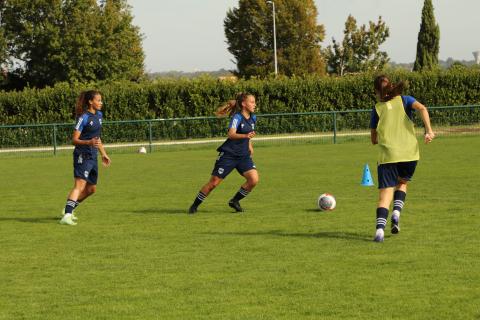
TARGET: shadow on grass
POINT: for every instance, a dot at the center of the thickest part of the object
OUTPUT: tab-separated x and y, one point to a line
31	220
165	211
320	235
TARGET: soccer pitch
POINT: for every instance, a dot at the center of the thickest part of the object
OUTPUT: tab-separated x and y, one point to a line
136	254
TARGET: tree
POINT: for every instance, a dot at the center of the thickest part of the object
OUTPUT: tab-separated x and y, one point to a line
360	48
3	53
428	44
71	40
249	32
3	41
122	53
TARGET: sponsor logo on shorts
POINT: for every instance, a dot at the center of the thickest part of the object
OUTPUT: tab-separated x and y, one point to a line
220	170
85	174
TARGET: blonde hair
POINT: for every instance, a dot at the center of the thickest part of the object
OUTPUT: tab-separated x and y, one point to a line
232	106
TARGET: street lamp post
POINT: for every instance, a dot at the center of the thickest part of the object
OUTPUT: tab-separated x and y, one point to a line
274	38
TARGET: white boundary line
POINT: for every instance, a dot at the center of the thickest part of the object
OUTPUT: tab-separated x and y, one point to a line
195	142
178	142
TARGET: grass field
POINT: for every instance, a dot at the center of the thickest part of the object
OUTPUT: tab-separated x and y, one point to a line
136	254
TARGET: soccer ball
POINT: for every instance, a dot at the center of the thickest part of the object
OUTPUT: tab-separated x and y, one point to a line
142	150
326	202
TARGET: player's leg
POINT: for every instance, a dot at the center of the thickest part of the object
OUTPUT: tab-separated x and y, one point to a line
398	202
87	192
204	192
78	188
384	200
246	168
91	186
405	171
223	166
387	180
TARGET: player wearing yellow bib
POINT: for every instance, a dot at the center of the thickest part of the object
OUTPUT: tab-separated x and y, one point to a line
393	130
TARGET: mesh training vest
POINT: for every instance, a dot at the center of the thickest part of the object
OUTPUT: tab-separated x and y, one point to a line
396	133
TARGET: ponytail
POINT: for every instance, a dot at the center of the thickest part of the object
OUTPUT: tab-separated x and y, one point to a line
227	109
83	101
232	106
387	90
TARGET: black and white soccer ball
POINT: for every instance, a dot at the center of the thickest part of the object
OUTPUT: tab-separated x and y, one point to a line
326	202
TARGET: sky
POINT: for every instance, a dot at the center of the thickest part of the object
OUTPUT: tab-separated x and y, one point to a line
188	35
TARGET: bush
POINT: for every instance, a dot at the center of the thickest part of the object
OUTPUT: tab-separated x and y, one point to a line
200	97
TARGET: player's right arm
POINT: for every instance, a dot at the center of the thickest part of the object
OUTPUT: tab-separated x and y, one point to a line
429	135
373	126
233	135
232	129
95	142
374	136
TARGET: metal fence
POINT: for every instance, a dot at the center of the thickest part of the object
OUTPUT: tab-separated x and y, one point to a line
169	134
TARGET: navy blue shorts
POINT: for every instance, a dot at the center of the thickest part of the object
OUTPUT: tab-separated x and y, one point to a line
85	167
225	164
390	173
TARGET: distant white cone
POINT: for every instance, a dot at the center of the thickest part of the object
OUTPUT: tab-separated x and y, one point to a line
142	150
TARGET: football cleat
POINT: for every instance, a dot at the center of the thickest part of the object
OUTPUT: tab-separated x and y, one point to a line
235	205
192	210
379	236
395	223
67	220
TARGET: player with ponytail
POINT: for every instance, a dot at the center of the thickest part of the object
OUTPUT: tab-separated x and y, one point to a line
236	152
393	130
87	141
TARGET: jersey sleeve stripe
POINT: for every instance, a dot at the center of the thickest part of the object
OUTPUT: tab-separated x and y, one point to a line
234	124
79	123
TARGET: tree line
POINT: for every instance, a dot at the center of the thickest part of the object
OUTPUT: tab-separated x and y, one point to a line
43	42
249	32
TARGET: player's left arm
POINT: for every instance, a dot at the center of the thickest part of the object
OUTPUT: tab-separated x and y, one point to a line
105	158
429	135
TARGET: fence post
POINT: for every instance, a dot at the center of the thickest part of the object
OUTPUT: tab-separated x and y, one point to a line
149	136
54	140
334	127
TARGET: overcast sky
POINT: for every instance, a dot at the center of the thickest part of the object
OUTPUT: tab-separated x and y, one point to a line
187	35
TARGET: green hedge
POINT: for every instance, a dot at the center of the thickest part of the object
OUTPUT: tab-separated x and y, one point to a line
200	97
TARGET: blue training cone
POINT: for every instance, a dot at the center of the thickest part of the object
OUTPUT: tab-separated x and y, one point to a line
367	180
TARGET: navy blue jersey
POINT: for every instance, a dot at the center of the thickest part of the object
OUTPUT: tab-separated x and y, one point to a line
407	105
239	147
90	126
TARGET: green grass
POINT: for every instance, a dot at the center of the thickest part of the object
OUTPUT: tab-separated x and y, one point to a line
135	254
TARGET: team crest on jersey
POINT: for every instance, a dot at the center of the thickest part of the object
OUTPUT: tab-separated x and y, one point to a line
220	170
100	120
80	159
242	125
253	126
85	174
91	123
